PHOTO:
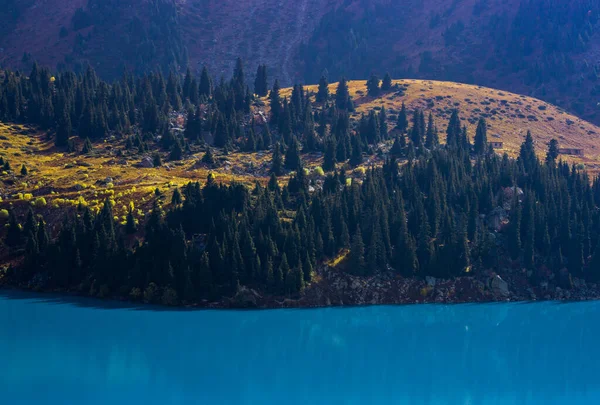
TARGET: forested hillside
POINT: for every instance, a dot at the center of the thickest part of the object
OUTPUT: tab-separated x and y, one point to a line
544	48
212	189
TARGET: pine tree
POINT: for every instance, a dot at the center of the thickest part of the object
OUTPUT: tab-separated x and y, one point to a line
373	86
130	225
205	86
453	132
383	126
357	254
323	92
329	158
24	170
402	124
260	83
87	146
386	85
342	95
552	153
176	200
356	156
63	129
480	141
176	152
277	161
527	155
431	137
13	231
208	157
275	102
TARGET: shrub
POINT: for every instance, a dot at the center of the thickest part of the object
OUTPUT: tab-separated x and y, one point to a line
39	202
169	297
135	294
151	293
3	214
319	171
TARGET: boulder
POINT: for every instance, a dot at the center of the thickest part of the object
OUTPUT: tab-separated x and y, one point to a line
430	281
499	287
146	162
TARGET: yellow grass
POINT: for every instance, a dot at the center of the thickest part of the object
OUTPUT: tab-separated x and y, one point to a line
67	179
506	125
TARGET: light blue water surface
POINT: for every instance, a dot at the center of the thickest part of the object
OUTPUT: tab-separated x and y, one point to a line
84	352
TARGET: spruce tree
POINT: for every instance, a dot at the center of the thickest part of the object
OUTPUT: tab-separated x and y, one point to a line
552	153
342	95
402	124
329	158
373	86
208	157
323	92
480	142
260	83
431	137
277	161
13	231
386	85
275	102
205	86
357	254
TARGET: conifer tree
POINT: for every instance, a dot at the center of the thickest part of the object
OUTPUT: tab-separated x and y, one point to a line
176	199
24	170
527	156
87	146
130	225
383	126
13	231
277	161
205	86
357	254
292	157
431	137
402	124
260	83
552	153
480	142
342	95
386	85
208	157
275	102
373	86
453	132
323	92
329	158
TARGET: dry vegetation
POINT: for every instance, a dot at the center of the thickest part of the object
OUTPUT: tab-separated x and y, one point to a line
57	179
508	115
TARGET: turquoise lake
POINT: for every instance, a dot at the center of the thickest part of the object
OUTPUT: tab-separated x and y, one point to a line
55	351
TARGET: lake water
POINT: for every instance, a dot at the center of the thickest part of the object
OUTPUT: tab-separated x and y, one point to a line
81	352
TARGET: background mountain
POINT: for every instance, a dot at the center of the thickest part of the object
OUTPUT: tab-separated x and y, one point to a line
549	49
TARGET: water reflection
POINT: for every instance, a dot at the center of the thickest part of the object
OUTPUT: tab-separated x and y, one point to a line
82	352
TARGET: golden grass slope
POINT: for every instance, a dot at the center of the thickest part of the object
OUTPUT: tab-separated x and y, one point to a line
66	179
508	115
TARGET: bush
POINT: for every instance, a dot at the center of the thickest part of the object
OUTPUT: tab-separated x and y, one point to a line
169	297
39	202
151	293
319	171
3	214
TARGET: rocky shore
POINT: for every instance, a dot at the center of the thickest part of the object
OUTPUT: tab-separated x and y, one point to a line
335	288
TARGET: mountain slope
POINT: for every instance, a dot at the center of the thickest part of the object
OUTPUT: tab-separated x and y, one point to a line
545	48
63	178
